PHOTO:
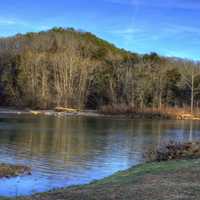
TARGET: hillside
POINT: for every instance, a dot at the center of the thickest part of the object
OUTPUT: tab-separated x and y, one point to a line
65	67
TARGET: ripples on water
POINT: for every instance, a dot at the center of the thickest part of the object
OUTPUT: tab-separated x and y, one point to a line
76	150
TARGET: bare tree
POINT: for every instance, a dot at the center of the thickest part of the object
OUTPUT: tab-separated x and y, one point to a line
190	71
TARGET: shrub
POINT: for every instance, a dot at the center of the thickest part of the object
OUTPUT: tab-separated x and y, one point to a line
177	150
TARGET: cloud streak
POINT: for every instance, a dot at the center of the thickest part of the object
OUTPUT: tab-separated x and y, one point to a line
7	21
177	29
178	4
126	31
21	23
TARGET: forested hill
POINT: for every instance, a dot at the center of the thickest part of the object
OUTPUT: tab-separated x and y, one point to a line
65	67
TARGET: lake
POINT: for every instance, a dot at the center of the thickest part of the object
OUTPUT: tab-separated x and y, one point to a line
77	150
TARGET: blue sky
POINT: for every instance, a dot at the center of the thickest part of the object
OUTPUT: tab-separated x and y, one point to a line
169	27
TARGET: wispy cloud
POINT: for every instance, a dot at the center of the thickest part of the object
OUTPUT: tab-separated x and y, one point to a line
130	35
178	29
179	4
9	22
165	32
144	39
126	31
14	22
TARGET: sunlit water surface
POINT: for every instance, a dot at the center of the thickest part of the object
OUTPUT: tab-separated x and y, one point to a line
77	150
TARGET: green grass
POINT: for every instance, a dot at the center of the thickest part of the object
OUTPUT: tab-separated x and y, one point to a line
165	180
148	168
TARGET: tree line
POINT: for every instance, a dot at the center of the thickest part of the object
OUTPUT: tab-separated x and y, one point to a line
66	67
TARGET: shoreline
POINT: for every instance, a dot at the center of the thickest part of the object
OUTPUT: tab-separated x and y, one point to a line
153	180
96	113
13	111
82	113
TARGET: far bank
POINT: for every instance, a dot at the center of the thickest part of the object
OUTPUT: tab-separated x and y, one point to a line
109	111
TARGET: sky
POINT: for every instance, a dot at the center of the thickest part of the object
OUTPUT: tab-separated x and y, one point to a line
168	27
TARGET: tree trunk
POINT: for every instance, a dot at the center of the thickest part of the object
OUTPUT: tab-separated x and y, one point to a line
192	95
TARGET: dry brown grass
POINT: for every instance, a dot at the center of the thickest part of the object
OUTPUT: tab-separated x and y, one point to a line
164	112
123	109
7	171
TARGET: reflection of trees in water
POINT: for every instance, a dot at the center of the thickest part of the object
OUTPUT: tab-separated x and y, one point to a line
191	131
88	139
74	138
55	135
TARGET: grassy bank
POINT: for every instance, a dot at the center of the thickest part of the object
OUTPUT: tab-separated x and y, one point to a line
165	180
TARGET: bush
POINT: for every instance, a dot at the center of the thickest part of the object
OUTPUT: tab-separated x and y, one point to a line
178	150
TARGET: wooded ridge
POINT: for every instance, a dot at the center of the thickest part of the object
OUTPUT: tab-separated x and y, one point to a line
70	68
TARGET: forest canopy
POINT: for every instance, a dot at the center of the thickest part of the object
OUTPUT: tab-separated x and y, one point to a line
66	67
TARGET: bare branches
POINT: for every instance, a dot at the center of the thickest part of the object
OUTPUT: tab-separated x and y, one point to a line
63	67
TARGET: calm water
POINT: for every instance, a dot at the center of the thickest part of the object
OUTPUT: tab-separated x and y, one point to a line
76	150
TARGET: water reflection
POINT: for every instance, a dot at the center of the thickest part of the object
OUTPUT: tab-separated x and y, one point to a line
76	150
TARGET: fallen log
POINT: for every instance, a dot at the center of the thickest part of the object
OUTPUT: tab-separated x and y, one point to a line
68	110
